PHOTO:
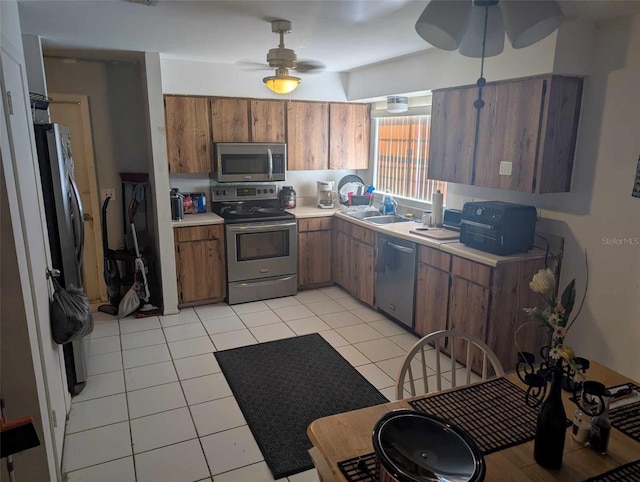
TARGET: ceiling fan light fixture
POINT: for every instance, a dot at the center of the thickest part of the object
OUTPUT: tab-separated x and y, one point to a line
444	22
528	22
397	104
282	82
471	44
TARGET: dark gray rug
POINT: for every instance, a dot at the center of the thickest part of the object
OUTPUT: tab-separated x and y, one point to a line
284	385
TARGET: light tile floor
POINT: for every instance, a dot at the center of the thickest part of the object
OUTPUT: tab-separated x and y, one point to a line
157	407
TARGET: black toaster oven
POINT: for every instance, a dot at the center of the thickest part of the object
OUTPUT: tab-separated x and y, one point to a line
498	227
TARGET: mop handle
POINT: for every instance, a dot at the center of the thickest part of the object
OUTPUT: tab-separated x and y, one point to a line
135	239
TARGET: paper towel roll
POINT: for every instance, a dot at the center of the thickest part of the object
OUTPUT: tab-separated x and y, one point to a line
436	207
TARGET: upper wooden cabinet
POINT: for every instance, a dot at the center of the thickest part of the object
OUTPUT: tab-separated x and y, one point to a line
452	135
267	120
188	134
349	136
247	120
522	140
307	135
319	135
230	119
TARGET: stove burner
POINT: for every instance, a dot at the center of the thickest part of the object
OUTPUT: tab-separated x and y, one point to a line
271	210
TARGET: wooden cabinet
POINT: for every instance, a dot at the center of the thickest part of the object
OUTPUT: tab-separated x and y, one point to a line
432	290
523	139
452	137
307	135
349	126
455	293
267	120
188	134
230	119
319	135
353	259
200	265
247	120
314	252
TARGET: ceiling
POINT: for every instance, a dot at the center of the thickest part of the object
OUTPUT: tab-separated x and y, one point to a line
343	34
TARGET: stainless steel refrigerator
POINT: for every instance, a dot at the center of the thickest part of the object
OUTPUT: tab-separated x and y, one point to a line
65	225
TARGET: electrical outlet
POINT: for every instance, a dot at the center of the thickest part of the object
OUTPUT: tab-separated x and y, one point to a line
106	192
505	168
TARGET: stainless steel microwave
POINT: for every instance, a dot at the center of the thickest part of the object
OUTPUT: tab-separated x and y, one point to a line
250	162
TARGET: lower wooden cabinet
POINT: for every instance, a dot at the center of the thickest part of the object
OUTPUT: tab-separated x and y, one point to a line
455	293
432	290
314	252
353	259
200	266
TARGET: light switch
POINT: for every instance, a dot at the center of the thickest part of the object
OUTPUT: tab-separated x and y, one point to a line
505	168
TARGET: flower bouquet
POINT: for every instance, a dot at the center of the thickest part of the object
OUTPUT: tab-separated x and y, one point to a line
559	365
555	319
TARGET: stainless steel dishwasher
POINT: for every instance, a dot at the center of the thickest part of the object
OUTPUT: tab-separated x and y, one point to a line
395	278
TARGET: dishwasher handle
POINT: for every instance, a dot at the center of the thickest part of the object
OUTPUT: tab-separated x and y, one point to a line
402	249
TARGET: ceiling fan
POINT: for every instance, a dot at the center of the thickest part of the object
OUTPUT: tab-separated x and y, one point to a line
283	59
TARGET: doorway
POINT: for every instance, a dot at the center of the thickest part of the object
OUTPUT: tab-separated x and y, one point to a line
72	110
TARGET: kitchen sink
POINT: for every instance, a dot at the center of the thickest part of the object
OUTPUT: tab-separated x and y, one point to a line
363	214
386	219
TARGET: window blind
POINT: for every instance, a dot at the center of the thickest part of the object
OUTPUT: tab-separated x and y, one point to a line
402	155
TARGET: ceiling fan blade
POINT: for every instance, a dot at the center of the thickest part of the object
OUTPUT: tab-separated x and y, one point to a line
253	65
309	66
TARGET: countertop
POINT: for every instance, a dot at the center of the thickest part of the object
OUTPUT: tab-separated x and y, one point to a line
301	212
201	219
451	246
399	230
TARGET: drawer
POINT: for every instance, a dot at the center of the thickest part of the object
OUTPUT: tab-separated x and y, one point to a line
198	233
434	257
471	271
364	235
315	224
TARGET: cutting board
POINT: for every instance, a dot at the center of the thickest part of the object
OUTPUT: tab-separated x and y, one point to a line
436	233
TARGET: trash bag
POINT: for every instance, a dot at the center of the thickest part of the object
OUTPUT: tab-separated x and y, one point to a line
70	315
130	302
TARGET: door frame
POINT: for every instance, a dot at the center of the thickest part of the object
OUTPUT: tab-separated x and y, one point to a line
85	116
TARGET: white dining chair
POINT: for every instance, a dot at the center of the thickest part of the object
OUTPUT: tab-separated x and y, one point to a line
427	355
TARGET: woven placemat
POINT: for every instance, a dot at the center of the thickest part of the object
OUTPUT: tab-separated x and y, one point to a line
625	473
493	413
627	418
360	469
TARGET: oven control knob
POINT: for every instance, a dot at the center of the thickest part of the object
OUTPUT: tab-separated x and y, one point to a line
259	191
224	193
480	211
217	193
271	191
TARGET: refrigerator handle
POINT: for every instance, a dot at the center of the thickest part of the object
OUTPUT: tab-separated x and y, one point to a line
79	225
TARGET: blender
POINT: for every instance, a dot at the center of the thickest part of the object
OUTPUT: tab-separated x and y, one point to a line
326	195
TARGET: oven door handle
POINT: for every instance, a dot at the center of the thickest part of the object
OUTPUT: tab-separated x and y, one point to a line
270	154
267	283
261	227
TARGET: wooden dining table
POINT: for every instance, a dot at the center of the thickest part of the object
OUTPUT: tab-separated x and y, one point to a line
344	436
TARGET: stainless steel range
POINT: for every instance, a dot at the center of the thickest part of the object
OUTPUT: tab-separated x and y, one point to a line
262	242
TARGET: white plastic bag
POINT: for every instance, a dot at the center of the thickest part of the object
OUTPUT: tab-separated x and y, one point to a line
130	302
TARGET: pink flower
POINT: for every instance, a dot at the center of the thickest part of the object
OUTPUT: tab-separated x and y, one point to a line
559	332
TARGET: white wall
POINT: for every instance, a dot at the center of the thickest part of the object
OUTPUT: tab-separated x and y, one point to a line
159	177
117	107
599	206
202	78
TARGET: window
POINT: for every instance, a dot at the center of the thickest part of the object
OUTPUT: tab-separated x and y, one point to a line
401	157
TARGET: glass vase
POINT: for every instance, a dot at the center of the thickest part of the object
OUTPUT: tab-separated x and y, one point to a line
551	426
